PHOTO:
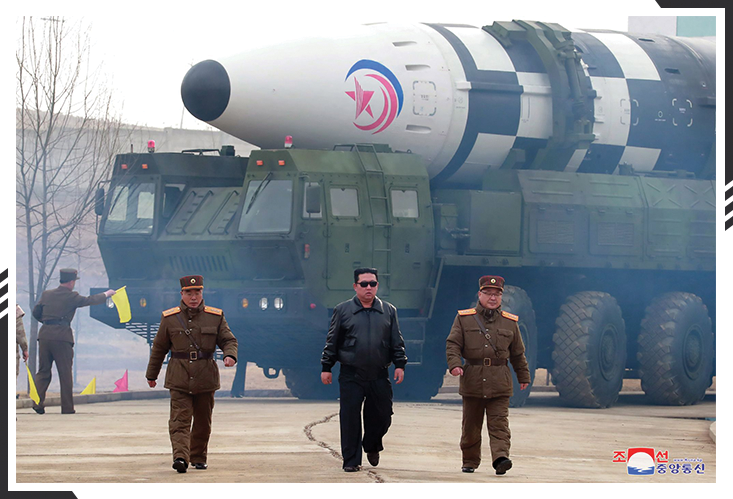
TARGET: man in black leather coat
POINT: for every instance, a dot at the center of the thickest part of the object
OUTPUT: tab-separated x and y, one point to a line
365	337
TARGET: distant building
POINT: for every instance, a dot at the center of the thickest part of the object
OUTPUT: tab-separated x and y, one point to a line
697	26
178	139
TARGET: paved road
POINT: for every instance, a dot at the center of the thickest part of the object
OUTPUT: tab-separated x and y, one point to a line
283	440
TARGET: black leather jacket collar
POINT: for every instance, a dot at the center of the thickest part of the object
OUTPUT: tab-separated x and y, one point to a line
376	305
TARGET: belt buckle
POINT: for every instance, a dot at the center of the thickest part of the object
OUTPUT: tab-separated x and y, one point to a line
193	356
487	361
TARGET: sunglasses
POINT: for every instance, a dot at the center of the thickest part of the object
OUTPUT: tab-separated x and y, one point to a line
364	284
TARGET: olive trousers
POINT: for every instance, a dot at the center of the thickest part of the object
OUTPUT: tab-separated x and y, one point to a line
497	421
190	441
62	353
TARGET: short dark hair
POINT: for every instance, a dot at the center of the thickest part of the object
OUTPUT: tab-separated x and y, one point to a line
365	270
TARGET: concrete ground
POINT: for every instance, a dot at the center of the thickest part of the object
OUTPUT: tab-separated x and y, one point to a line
283	440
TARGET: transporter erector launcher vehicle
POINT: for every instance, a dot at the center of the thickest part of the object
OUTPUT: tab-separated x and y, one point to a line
579	165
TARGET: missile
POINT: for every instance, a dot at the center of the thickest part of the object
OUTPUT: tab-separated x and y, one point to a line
517	94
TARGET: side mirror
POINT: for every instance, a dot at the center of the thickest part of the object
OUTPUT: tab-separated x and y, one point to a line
313	199
99	201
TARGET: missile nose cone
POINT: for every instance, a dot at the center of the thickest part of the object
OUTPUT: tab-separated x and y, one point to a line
205	90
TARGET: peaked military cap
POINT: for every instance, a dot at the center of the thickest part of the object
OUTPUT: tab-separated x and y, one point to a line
491	281
192	282
67	275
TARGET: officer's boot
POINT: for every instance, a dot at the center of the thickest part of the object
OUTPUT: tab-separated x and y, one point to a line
502	465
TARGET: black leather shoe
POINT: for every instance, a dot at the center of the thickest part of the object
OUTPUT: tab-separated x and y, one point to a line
502	465
200	466
351	469
468	469
39	410
373	458
180	465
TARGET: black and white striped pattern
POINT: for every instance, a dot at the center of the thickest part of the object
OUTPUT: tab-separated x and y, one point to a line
653	108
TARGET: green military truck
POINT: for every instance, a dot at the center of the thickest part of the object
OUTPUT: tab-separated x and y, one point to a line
612	277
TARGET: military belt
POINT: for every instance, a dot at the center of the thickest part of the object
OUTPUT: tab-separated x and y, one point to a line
192	355
488	361
56	322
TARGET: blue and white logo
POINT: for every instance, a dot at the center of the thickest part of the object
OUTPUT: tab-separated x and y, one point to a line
640	461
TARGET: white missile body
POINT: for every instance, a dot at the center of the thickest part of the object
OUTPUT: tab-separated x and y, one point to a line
463	100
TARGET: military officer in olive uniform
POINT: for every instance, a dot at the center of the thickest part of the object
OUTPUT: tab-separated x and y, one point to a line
20	339
486	337
55	310
191	332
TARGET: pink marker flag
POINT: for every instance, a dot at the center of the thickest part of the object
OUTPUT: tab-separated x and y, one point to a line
121	384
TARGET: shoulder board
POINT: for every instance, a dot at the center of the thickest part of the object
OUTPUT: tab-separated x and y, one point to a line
468	311
212	310
171	311
513	317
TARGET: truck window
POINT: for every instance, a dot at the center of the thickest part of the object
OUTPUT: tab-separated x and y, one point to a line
344	202
131	209
268	207
171	198
404	203
305	213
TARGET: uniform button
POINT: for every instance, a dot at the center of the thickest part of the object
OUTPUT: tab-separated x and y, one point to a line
191	377
486	345
484	380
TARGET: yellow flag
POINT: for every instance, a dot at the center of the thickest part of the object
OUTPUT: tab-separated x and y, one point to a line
91	387
123	304
33	393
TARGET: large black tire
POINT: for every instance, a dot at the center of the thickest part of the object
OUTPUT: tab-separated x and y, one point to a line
590	350
305	384
676	349
517	302
422	382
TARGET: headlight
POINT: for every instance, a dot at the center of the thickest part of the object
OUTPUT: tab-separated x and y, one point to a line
263	303
278	302
110	303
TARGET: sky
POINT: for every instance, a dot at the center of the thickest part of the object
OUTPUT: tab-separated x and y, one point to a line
147	47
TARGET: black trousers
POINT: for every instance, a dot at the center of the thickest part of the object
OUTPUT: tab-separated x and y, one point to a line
62	353
376	397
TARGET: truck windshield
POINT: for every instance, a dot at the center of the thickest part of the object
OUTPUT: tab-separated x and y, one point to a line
267	207
131	209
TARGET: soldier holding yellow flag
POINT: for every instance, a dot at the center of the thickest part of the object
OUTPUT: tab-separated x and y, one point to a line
55	310
20	339
191	332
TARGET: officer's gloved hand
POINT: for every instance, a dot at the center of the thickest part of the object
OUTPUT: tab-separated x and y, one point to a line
110	292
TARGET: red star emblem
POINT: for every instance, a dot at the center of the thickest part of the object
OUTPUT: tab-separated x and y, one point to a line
362	98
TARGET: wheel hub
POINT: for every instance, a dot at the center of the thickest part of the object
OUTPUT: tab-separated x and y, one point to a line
608	353
692	353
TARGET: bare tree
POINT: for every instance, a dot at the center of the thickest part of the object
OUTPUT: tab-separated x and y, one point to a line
67	136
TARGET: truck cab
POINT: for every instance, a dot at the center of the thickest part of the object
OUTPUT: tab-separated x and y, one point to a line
276	237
